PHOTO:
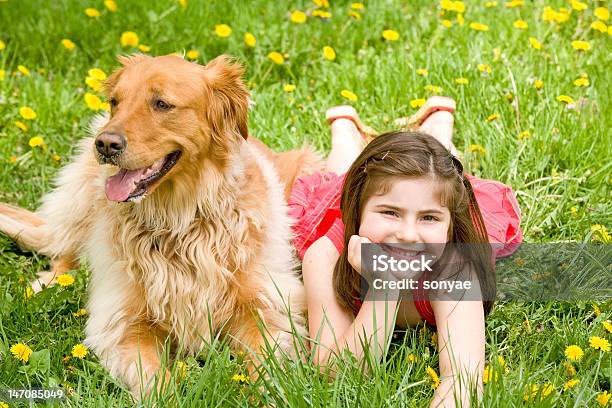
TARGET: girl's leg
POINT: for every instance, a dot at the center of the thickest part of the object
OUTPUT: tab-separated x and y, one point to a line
347	144
440	126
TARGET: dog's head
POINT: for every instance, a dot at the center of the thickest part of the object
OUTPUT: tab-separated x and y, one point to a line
169	117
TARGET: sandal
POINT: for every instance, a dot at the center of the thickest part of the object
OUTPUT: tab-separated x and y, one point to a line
432	105
348	112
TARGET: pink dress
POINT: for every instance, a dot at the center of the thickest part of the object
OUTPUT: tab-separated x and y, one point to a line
315	206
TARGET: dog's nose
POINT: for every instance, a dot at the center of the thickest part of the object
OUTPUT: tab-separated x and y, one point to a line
110	144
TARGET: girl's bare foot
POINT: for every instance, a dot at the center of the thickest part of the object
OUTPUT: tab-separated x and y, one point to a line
347	144
440	125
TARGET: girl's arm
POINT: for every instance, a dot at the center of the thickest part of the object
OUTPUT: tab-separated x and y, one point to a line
332	328
461	341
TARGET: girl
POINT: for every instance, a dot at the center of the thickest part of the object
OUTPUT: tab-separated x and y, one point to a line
409	188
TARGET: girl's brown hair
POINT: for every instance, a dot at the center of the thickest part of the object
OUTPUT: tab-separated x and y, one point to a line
412	154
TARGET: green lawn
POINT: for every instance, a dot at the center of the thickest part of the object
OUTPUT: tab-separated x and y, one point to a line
555	154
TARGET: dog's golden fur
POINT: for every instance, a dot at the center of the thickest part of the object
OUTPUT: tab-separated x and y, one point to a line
206	251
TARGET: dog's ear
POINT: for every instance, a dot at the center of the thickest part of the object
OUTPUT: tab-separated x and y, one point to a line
125	60
228	111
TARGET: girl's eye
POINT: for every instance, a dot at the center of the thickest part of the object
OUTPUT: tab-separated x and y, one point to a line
430	218
389	212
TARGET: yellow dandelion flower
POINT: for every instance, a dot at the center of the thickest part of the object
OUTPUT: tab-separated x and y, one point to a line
607	325
129	39
417	103
183	4
93	101
29	292
599	26
535	43
600	233
181	369
514	3
249	40
458	7
603	398
223	30
298	17
322	14
348	95
599	343
548	14
21	352
23	70
354	14
422	72
329	53
531	392
36	141
144	48
192	54
110	5
21	125
479	27
447	23
67	44
565	99
581	45
484	68
461	81
547	389
487	375
412	358
581	82
79	351
80	313
27	113
596	308
520	24
321	3
446	5
357	6
538	84
240	378
569	384
433	89
574	352
460	19
578	5
65	280
97	73
525	134
602	13
435	380
92	12
277	57
476	148
390	35
289	88
490	4
2	45
492	117
2	74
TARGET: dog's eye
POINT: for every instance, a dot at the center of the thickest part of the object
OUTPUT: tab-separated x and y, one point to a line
113	102
162	105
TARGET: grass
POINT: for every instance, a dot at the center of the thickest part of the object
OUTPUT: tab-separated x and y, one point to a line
560	171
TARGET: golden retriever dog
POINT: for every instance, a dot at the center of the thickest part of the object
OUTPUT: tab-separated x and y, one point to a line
180	216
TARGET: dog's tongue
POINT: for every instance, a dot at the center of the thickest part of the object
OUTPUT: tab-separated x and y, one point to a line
119	186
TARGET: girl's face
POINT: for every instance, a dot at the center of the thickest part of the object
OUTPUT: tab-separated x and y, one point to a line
409	213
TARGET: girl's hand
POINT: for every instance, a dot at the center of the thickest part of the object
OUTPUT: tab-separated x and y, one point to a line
354	251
